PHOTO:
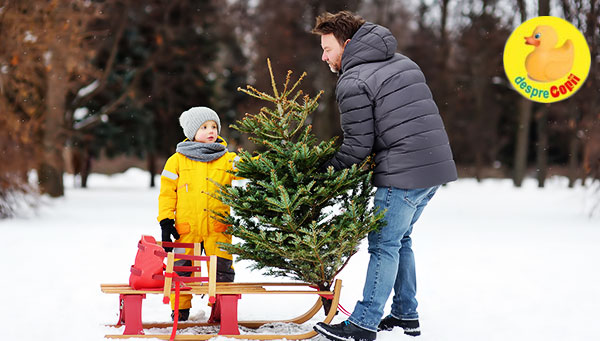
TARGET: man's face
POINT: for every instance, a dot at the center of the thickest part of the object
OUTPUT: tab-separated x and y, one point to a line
332	52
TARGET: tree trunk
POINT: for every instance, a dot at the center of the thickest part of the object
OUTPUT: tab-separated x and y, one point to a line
86	167
522	144
544	7
573	159
152	168
542	120
326	301
574	145
542	145
50	176
51	168
479	91
522	139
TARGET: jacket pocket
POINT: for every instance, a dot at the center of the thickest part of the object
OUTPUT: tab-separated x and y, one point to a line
183	228
218	226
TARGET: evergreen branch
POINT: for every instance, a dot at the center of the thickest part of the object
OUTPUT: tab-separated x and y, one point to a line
298	94
297	83
257	94
300	125
287	81
272	78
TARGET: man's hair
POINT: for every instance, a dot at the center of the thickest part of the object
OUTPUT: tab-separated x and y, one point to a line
343	25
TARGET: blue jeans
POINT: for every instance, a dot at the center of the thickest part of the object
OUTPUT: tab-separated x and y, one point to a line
392	262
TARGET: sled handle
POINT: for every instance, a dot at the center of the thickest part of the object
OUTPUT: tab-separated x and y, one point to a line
168	277
212	279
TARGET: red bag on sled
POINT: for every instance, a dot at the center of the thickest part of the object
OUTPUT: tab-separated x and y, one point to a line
148	262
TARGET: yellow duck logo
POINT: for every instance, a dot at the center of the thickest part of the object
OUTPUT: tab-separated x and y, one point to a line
547	63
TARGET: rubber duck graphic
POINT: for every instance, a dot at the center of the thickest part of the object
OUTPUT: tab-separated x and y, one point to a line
547	63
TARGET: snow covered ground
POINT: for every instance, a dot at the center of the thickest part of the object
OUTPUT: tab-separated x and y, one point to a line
494	263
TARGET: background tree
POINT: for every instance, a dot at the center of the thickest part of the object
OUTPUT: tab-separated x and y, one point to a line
294	220
541	118
109	78
476	119
43	63
158	64
523	124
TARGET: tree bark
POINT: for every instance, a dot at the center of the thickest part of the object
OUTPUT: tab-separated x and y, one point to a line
573	159
326	301
51	167
86	168
522	144
542	145
152	168
542	120
522	136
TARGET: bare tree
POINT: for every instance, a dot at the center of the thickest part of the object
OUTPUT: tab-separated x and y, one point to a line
541	120
522	136
47	55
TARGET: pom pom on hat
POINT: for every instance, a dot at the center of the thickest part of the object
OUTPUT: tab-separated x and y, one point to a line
191	120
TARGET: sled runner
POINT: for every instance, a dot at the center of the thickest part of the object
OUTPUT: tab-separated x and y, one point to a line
224	295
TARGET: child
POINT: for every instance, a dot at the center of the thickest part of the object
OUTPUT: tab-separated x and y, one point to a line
185	205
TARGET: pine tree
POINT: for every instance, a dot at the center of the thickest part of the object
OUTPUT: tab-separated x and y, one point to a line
295	220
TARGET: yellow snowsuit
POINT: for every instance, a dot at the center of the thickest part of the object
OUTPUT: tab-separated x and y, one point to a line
185	186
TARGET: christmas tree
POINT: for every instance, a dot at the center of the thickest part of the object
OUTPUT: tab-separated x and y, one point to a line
293	218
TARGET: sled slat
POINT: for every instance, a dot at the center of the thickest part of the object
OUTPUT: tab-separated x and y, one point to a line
196	263
212	274
168	280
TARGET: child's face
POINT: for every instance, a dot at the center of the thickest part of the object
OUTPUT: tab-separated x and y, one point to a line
207	133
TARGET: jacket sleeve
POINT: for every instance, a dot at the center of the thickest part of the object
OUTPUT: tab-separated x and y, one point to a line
358	126
167	199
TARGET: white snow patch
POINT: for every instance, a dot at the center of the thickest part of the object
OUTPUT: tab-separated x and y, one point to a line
47	57
88	89
80	113
494	262
30	37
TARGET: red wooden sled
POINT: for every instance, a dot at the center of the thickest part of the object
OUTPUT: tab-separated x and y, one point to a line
225	295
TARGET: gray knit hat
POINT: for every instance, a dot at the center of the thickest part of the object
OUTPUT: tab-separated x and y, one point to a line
193	118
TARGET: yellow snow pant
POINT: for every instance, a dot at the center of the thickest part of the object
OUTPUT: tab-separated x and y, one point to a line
225	270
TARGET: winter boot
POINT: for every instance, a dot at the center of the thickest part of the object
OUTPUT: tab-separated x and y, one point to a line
344	331
411	327
184	314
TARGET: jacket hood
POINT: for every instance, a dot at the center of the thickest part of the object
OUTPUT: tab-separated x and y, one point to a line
371	43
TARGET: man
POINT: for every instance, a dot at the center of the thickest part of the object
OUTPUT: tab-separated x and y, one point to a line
386	109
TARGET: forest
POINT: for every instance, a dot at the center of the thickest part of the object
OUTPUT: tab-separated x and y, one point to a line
86	79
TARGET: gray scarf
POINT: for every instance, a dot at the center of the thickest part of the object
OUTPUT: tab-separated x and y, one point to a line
204	152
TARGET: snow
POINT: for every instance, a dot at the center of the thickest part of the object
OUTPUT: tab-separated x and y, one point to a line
494	262
80	113
88	88
29	37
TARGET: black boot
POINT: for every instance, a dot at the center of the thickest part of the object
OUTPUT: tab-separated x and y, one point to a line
184	314
344	331
411	327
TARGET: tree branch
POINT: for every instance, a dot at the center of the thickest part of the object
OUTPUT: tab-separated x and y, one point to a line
109	64
107	110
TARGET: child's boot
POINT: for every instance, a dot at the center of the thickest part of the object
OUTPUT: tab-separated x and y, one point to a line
184	314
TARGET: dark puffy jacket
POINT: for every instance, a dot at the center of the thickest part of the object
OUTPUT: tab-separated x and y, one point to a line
386	108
